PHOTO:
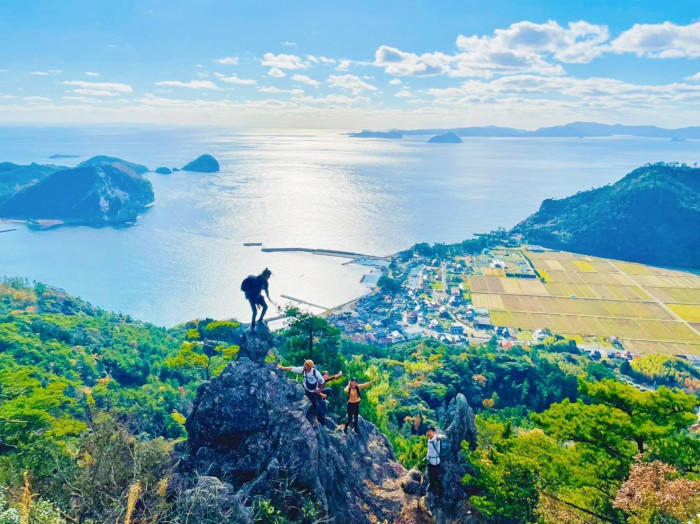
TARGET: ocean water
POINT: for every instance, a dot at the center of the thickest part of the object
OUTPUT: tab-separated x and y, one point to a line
185	258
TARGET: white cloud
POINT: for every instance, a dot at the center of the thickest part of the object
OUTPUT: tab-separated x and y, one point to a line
287	43
283	61
522	47
91	73
7	97
192	84
665	40
397	62
277	90
693	78
276	72
351	83
344	65
36	99
306	80
98	88
404	93
229	60
321	59
595	92
234	79
334	100
395	82
50	72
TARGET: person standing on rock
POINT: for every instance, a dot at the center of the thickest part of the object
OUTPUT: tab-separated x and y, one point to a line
313	384
354	397
253	286
435	483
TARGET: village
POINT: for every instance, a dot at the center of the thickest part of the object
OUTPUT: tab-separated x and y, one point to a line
420	296
430	298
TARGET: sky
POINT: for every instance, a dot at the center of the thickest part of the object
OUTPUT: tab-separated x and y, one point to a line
350	65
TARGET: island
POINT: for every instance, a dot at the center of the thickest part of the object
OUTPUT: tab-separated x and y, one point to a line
376	134
203	164
163	171
100	192
447	138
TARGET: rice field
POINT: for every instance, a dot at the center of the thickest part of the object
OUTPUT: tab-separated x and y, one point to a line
650	309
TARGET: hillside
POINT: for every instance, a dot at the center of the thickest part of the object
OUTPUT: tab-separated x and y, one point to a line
96	194
94	406
651	216
14	177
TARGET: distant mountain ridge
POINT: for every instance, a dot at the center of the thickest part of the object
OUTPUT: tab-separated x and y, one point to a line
652	215
573	129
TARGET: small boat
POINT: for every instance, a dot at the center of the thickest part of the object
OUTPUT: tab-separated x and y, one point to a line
248	244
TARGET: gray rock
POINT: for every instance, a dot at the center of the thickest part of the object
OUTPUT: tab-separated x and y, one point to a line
255	344
248	429
452	506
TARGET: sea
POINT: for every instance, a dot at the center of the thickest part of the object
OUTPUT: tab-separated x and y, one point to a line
185	258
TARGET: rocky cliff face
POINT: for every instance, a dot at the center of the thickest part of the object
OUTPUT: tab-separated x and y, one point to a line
248	430
249	440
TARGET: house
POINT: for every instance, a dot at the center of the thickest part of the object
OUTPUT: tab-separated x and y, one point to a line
482	322
456	329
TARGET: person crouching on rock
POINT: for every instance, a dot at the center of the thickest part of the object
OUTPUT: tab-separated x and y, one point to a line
253	286
354	397
435	484
313	384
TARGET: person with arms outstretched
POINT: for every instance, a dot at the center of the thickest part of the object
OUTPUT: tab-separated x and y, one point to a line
253	286
313	384
354	397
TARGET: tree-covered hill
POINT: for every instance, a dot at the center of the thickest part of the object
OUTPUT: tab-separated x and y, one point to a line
652	216
93	406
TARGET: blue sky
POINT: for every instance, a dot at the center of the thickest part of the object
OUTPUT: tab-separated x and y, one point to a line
348	65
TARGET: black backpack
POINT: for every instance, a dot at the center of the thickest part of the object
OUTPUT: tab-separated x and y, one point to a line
248	284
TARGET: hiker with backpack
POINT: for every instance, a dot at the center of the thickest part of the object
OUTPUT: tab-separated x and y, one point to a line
253	286
354	397
313	384
434	455
324	390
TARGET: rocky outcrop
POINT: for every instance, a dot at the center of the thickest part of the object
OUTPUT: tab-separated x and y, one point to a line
452	506
248	429
163	170
203	164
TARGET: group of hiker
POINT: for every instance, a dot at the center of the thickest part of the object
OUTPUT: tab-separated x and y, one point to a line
317	390
316	383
